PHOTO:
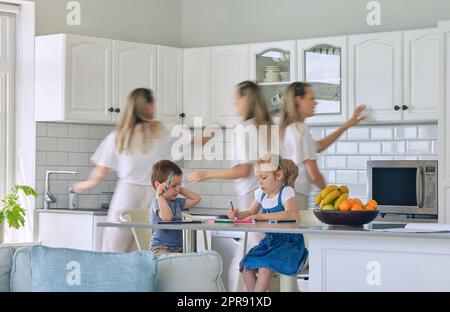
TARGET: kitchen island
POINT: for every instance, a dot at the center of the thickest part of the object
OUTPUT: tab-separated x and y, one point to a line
356	259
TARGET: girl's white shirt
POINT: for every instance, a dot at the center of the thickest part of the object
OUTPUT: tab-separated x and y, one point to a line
133	168
287	193
242	154
299	146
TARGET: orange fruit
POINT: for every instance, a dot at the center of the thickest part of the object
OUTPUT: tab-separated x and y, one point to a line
358	201
372	202
346	205
357	206
371	207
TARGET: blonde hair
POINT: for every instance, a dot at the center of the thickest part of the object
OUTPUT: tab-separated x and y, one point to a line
289	112
136	119
274	163
256	106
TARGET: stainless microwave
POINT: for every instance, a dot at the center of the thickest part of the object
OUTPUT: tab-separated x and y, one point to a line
404	186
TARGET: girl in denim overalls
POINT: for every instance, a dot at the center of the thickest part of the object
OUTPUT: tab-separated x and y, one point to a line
281	253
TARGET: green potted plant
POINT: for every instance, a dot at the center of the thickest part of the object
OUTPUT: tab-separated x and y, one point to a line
11	211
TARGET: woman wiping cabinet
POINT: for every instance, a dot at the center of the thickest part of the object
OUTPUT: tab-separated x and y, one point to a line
296	141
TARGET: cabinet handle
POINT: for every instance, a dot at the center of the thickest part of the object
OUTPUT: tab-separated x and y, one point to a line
117	110
396	107
404	107
111	109
182	115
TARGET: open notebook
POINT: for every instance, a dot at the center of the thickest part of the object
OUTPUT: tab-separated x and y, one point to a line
420	228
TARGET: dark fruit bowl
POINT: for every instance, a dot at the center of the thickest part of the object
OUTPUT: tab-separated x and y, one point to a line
349	218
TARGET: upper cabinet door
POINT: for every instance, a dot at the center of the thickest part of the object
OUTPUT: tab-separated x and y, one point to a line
322	63
134	66
169	95
229	67
88	78
375	74
273	67
421	80
196	85
443	118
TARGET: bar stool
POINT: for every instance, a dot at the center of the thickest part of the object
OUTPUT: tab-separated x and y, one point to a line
143	236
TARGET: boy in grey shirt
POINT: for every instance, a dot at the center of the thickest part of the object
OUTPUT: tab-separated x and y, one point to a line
166	180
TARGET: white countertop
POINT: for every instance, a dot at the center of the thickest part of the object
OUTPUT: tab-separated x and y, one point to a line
92	211
293	228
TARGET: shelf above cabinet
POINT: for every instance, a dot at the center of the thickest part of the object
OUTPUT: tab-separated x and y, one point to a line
280	83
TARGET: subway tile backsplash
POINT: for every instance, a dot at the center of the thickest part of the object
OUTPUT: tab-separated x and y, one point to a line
70	147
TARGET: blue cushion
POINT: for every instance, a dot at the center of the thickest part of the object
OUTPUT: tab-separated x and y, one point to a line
6	255
61	269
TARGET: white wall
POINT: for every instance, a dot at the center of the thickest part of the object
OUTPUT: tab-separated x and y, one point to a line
220	22
148	21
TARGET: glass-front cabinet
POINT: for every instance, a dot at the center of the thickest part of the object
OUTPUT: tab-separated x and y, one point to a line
322	63
272	66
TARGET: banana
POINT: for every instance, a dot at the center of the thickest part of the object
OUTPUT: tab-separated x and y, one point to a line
344	196
318	198
328	190
331	197
343	189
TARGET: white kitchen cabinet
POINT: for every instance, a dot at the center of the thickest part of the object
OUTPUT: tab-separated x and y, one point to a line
169	94
70	230
229	67
322	62
73	78
134	66
375	75
421	74
87	79
443	125
273	67
196	85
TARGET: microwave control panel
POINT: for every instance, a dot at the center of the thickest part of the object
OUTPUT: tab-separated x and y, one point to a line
431	190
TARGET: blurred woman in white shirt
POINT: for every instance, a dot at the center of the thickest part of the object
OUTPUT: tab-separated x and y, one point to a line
297	143
137	144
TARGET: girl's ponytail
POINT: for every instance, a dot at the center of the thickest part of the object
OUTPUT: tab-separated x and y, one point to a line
290	171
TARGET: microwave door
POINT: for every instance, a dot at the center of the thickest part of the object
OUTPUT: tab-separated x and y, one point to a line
397	189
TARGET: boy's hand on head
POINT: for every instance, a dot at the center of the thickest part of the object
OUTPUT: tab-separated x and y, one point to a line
160	190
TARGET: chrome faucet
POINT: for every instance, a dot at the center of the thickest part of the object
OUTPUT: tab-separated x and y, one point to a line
49	197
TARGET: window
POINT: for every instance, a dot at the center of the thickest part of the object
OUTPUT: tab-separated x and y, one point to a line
7	99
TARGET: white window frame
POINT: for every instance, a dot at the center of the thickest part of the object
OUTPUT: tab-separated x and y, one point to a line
22	133
9	114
